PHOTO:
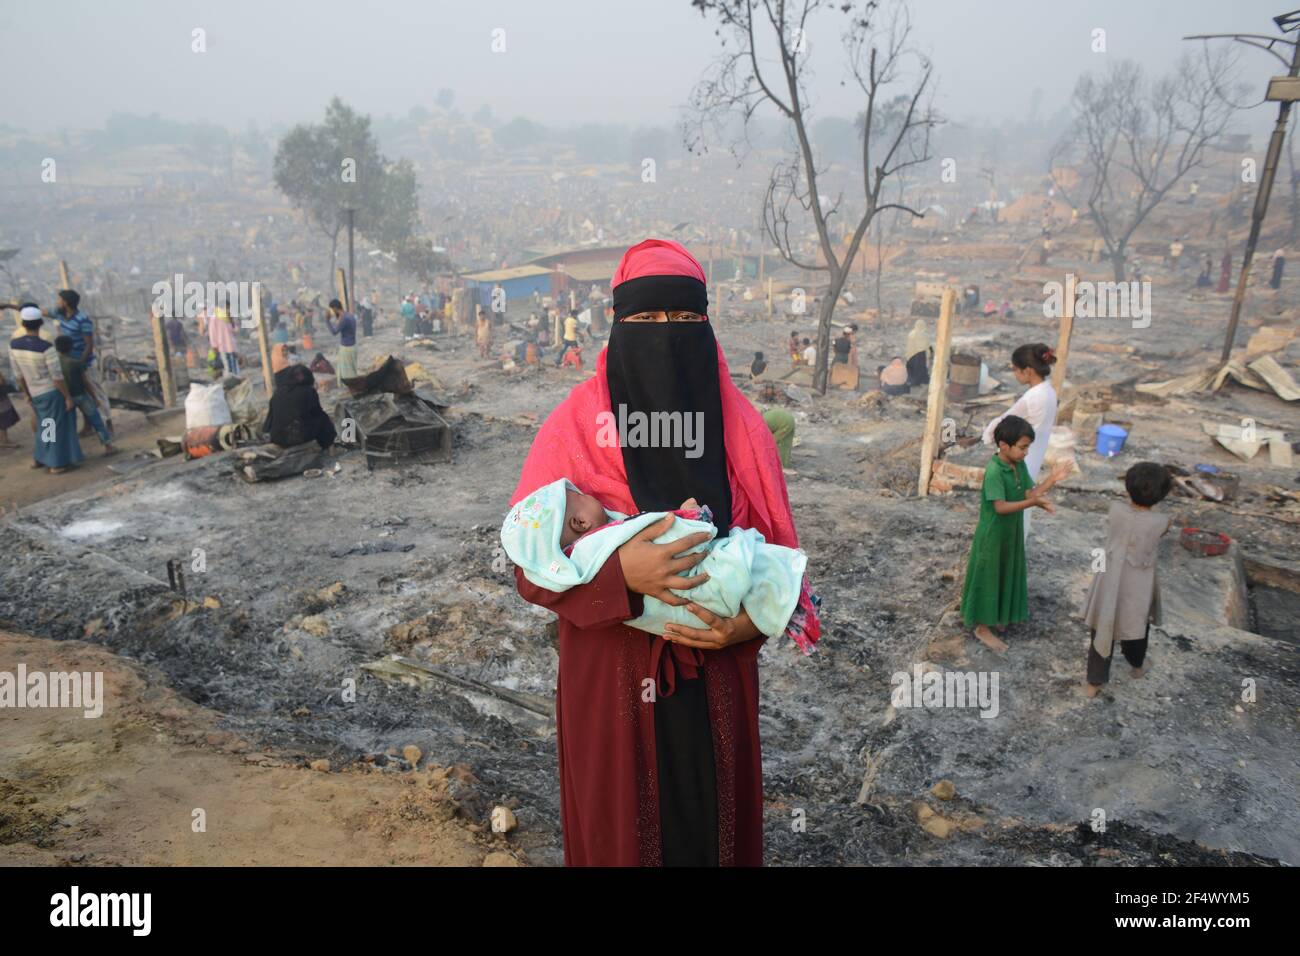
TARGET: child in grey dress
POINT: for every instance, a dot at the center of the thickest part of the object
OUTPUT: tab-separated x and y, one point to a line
1124	597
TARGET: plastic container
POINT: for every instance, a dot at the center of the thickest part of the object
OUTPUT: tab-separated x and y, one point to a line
1110	440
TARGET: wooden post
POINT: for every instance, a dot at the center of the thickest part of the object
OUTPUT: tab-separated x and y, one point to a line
50	330
164	356
938	382
1063	341
769	297
341	288
263	339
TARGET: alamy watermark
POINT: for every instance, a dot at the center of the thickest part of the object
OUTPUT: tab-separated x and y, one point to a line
79	690
1099	300
175	298
944	689
75	908
637	429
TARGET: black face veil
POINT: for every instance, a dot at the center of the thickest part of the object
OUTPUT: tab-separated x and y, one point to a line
655	368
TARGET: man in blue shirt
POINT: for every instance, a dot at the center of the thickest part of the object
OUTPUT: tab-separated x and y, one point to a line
346	365
79	327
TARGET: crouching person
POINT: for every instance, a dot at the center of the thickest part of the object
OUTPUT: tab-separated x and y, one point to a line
295	415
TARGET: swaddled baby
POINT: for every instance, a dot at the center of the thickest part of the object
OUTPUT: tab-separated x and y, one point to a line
560	538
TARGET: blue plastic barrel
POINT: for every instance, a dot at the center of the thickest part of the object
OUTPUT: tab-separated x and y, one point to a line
1110	440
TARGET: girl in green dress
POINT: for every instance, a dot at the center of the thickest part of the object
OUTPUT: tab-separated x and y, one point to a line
997	586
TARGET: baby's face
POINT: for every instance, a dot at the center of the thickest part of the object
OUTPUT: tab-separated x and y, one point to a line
582	513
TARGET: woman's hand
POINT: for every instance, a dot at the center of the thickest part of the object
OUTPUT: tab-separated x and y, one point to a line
721	631
652	569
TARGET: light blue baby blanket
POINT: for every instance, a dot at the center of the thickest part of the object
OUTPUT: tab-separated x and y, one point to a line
744	570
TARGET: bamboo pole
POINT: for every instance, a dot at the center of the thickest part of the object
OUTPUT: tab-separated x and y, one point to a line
263	340
938	382
1063	340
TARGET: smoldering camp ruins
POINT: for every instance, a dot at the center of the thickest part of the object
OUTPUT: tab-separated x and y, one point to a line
286	642
270	633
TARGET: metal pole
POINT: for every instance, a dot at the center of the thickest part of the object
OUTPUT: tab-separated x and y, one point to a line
352	259
1261	206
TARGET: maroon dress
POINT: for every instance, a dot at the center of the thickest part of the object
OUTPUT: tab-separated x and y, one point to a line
605	727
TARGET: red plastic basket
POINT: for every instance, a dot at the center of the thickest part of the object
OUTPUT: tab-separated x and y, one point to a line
1204	543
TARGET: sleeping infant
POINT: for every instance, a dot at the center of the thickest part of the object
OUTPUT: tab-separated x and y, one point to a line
560	538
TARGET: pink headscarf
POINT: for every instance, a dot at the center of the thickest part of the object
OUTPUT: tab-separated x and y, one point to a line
566	445
657	257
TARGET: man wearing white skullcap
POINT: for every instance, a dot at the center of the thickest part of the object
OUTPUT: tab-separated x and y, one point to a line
36	367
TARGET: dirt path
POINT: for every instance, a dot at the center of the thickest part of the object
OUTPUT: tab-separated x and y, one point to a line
122	789
22	485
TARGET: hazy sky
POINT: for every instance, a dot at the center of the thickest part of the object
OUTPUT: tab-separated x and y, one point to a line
565	60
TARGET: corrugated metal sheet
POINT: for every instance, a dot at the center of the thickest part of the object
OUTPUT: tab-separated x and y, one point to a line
591	271
504	275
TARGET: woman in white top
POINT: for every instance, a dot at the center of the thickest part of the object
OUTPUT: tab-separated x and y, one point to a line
1032	365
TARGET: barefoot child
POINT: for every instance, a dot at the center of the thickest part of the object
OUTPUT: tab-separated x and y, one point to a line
1124	597
997	588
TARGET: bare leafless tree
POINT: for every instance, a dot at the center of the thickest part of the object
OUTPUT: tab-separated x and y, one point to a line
886	226
764	63
1131	141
